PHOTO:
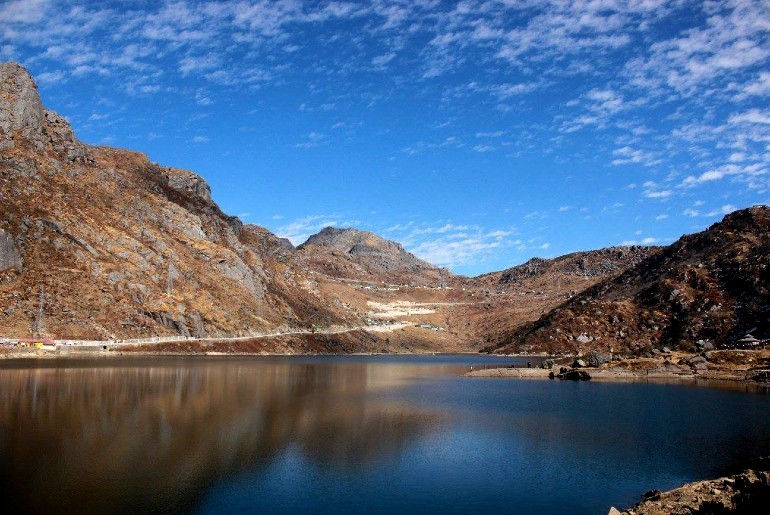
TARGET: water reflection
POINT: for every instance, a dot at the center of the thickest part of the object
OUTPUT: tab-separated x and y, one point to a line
151	438
351	434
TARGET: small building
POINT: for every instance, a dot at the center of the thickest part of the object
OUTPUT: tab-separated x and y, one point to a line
748	341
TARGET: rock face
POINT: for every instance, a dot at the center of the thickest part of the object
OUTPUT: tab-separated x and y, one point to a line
187	182
9	255
21	111
712	286
62	138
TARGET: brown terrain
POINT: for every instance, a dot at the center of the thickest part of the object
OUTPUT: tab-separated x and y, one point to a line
709	289
99	243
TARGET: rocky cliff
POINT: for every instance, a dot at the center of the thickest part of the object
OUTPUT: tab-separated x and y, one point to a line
712	286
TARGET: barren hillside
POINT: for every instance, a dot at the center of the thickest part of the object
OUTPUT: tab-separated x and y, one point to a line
712	286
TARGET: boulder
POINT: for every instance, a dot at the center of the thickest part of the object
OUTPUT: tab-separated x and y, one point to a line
187	182
597	359
584	338
574	375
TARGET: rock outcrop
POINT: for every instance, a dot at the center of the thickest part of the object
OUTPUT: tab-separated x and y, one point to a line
748	492
21	110
10	259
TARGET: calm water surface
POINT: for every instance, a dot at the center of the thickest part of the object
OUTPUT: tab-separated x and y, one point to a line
374	434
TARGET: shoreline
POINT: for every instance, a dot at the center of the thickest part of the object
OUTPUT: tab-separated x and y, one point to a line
605	375
491	370
747	492
38	354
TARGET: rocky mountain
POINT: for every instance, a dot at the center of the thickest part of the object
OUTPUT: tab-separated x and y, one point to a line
593	264
712	286
98	242
361	255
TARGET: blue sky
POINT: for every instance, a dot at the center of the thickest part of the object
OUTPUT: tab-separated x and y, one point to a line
477	133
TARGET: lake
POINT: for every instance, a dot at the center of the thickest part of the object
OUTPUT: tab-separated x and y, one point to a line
351	434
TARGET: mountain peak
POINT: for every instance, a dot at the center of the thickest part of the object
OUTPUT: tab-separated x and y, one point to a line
345	238
21	110
22	116
378	257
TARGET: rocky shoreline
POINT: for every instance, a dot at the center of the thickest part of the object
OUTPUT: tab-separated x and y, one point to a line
733	365
748	492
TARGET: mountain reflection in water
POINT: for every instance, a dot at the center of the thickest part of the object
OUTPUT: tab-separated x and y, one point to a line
149	438
351	434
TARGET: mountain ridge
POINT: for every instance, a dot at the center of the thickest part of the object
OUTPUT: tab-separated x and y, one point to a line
708	286
100	243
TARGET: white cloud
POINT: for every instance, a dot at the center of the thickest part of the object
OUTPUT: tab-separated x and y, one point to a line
751	116
188	65
505	91
312	140
645	241
744	173
724	210
299	230
760	87
382	60
731	40
627	155
24	11
48	78
660	194
451	244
